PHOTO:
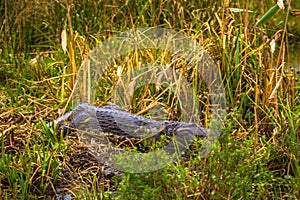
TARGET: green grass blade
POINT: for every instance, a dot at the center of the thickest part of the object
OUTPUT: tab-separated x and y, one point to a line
270	13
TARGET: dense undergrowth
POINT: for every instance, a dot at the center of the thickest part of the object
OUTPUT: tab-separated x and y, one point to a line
257	155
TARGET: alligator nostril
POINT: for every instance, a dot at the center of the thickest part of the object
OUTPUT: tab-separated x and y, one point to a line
64	129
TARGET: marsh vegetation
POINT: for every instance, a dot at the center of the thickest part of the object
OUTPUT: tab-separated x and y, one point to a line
257	155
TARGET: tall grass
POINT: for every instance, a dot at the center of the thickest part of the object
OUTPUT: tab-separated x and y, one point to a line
257	155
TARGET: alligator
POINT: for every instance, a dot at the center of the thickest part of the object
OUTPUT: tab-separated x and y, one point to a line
114	120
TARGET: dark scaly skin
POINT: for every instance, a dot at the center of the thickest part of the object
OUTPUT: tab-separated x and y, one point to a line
112	119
